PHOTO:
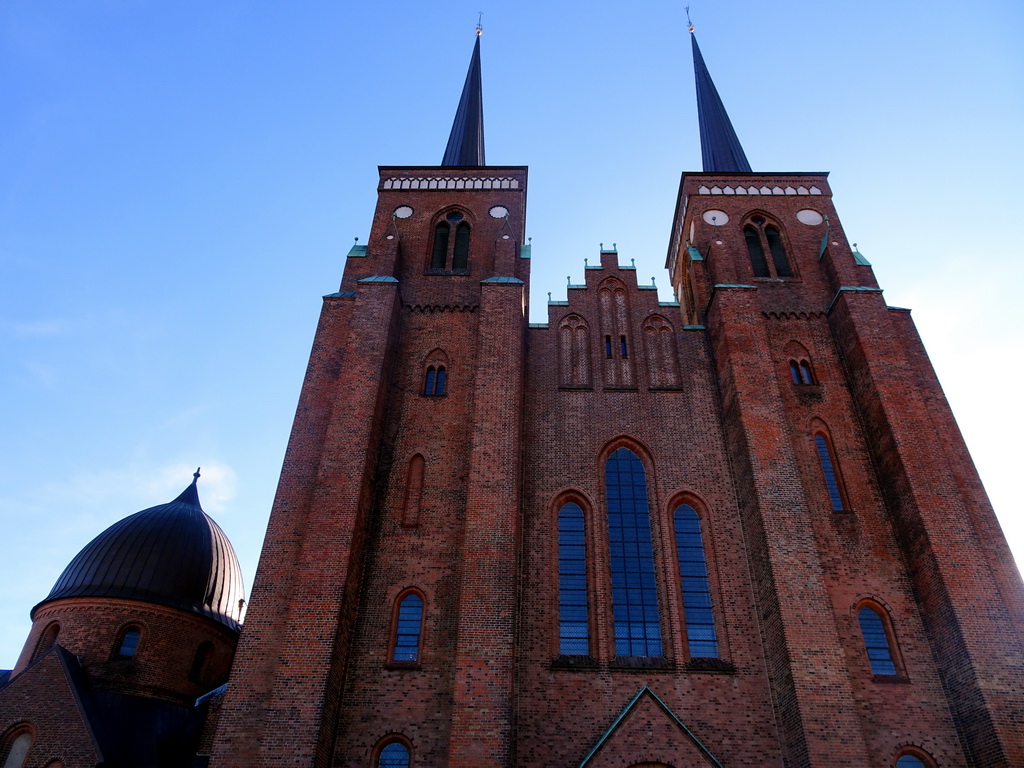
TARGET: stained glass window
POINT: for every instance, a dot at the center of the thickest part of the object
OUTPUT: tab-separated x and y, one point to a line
693	575
634	592
407	633
829	471
574	631
876	642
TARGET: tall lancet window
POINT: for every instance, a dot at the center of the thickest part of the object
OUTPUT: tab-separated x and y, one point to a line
760	233
693	577
440	253
574	628
460	258
634	590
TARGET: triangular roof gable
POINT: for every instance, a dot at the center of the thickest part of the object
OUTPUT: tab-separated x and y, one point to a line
50	694
621	725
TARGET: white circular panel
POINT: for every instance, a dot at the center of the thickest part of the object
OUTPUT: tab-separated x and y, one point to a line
498	212
716	218
403	212
809	217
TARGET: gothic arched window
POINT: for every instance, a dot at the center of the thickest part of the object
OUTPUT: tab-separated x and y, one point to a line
763	237
434	381
696	586
573	623
634	590
877	641
800	372
408	627
828	470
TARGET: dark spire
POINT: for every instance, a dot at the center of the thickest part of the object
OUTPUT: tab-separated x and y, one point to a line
720	150
466	143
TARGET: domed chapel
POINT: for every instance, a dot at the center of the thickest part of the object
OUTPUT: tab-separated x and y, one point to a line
740	528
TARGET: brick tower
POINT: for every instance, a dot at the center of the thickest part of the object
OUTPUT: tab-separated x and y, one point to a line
737	529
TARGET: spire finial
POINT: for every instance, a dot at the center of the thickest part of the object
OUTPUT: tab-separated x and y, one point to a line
719	147
466	141
479	23
688	22
195	476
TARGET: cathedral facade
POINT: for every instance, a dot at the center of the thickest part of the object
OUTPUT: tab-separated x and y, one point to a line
740	528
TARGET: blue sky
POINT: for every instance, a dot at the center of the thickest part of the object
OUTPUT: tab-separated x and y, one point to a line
180	182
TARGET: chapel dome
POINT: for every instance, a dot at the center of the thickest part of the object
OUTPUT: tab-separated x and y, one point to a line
173	554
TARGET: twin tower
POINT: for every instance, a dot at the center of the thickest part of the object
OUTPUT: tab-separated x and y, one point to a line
736	529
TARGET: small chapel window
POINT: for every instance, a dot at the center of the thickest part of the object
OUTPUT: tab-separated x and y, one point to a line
129	643
18	750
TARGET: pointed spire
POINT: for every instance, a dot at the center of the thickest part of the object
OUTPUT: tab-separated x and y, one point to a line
719	148
466	142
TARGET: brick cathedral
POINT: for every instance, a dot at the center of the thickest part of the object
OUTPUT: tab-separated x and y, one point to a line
736	529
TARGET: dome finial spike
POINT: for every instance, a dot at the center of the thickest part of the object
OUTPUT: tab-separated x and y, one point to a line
195	475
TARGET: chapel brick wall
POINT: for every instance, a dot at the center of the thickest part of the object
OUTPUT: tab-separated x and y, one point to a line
91	629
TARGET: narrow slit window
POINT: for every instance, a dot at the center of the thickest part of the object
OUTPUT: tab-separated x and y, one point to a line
756	251
573	624
430	381
440	253
779	258
394	755
439	384
876	642
607	346
634	589
622	346
407	629
828	470
460	259
696	586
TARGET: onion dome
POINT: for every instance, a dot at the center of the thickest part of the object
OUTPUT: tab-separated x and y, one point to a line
173	554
